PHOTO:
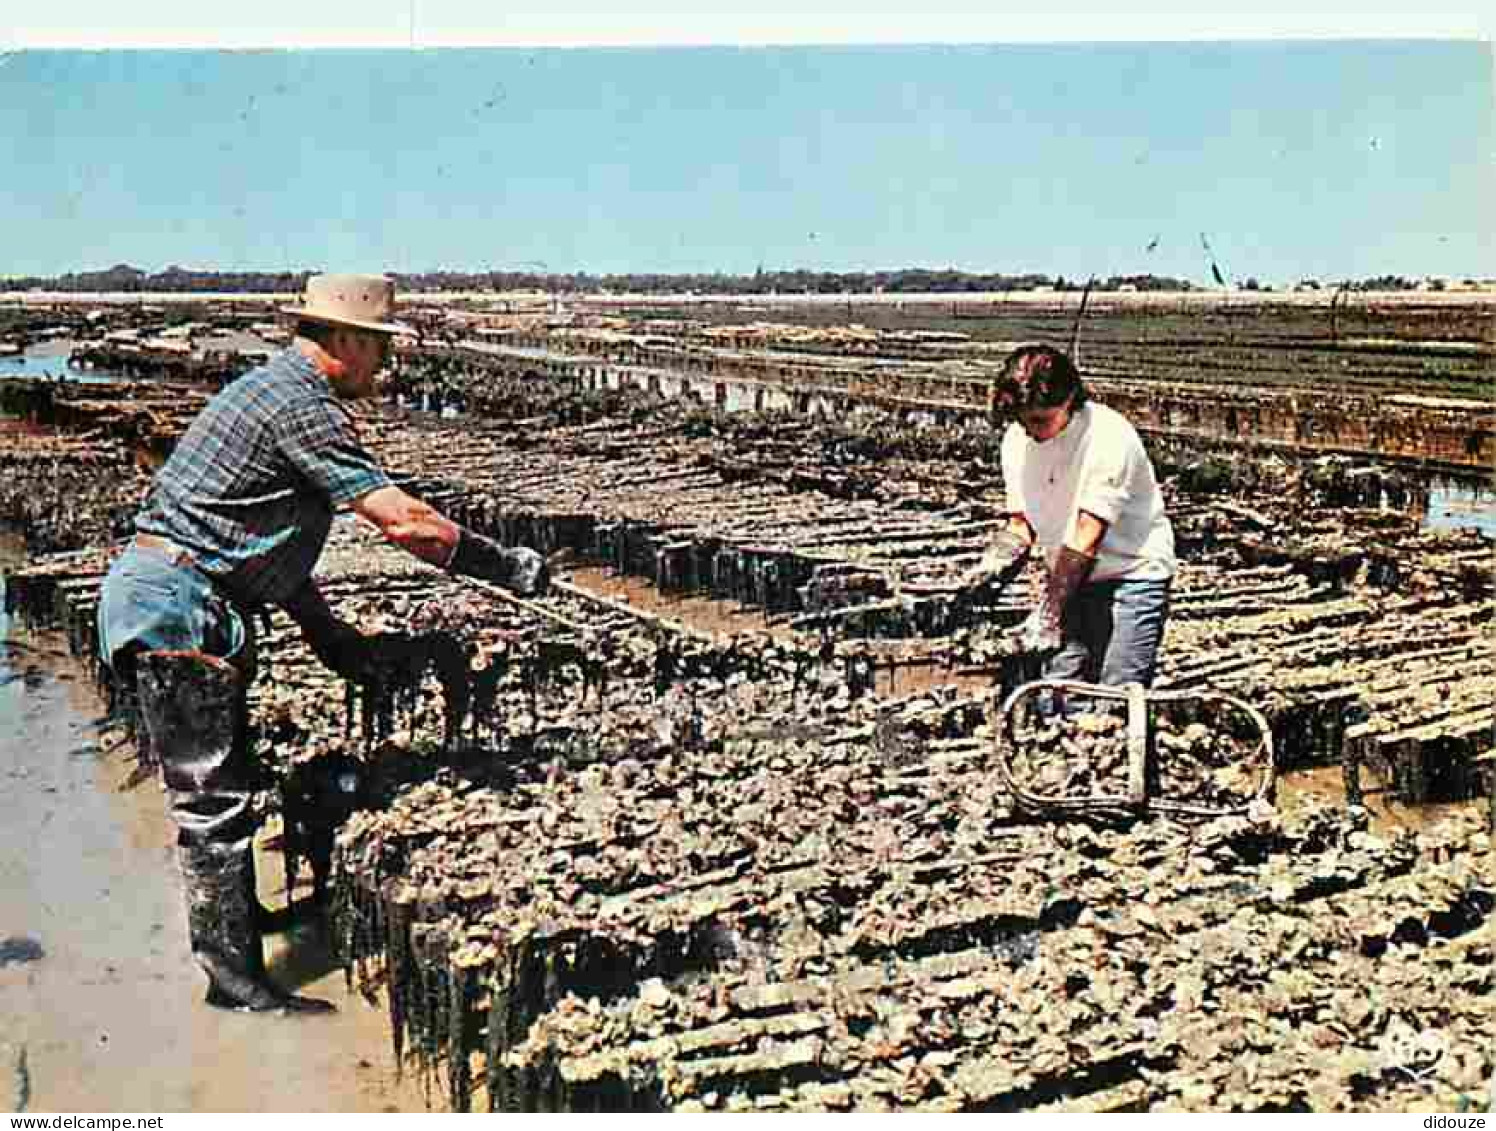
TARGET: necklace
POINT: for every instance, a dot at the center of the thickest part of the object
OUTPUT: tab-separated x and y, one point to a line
1061	442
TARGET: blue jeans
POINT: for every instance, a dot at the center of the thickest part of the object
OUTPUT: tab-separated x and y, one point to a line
1113	631
150	603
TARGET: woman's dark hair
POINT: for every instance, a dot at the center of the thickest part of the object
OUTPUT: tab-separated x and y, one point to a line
1036	377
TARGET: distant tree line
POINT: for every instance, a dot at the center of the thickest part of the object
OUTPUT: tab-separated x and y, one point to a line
908	280
1390	283
123	277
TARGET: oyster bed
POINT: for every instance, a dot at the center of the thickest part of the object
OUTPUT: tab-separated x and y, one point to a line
648	862
842	908
739	884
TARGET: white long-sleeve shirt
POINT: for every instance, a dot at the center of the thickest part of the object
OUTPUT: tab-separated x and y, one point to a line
1096	464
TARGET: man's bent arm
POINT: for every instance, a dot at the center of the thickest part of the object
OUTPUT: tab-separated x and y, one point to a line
332	640
415	526
428	534
308	607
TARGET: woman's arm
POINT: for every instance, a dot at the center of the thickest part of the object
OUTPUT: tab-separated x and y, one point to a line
1089	531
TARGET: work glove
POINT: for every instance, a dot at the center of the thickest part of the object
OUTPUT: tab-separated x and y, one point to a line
520	570
1043	631
341	648
1000	563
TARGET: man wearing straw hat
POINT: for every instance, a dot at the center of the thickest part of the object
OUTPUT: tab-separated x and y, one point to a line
235	521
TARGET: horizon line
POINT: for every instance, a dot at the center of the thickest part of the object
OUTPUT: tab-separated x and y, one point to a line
395	43
812	30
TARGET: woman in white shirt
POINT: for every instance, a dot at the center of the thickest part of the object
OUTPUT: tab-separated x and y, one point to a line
1081	488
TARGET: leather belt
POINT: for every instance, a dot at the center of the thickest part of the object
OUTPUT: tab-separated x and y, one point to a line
155	544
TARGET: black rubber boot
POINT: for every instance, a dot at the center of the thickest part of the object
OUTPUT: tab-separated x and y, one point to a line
221	914
193	705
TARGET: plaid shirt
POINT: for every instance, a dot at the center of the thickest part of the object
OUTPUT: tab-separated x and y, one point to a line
251	487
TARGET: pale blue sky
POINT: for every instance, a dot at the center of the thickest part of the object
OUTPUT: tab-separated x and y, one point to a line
1324	159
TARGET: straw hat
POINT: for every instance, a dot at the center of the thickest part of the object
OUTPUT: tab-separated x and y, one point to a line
364	302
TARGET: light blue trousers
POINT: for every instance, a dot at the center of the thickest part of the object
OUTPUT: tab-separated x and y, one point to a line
1112	633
